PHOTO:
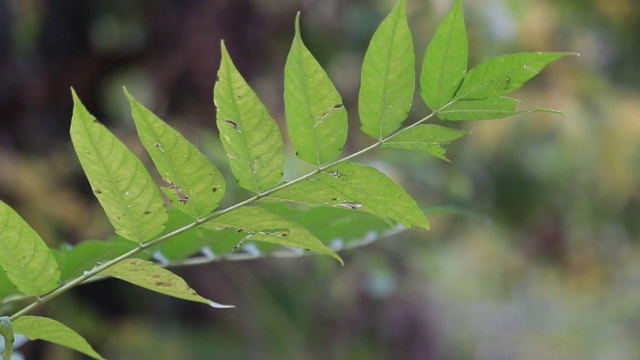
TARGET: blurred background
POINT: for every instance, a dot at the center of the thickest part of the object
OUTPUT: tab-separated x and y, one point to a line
539	259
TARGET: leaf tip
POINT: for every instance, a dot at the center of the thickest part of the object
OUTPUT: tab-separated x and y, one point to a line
216	305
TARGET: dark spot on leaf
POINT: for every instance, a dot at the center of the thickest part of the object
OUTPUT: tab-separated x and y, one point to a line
164	283
214	189
337	106
97	192
147	212
232	123
239	230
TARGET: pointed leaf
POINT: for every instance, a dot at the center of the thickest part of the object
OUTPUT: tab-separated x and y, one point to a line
388	76
126	191
357	187
428	137
151	276
196	185
316	117
41	328
24	256
261	225
492	108
504	74
6	331
445	61
250	137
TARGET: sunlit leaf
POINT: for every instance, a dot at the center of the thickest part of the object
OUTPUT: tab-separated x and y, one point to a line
24	256
388	76
357	187
42	328
261	225
445	61
427	137
151	276
504	74
249	135
316	117
126	191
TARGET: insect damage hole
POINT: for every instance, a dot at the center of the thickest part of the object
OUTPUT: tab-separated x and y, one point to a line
232	123
320	119
182	197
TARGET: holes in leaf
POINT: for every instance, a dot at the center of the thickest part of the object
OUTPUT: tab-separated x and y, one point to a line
319	119
232	123
159	146
349	205
182	197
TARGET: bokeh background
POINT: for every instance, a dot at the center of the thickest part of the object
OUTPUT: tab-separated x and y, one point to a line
539	257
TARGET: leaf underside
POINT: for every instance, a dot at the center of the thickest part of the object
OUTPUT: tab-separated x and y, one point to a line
428	137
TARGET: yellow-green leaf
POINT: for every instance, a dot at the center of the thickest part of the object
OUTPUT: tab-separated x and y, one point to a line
427	137
195	186
249	135
316	117
41	328
123	186
151	276
24	256
388	76
261	225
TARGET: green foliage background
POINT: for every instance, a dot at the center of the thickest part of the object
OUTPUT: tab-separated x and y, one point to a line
542	261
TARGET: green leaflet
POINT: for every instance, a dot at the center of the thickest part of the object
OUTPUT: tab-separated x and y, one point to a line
492	108
428	137
388	76
24	256
261	225
42	328
445	61
504	74
6	331
126	191
357	187
249	135
84	256
316	117
196	185
151	276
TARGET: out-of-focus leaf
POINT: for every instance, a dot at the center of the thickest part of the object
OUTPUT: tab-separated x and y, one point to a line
124	188
196	184
316	117
24	256
388	76
6	331
249	135
42	328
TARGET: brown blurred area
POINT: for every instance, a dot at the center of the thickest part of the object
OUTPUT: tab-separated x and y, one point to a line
542	263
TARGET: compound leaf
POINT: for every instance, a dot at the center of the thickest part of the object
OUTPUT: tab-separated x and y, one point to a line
388	76
196	185
504	74
357	187
261	225
249	135
124	188
445	60
427	137
42	328
24	256
151	276
316	117
492	108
